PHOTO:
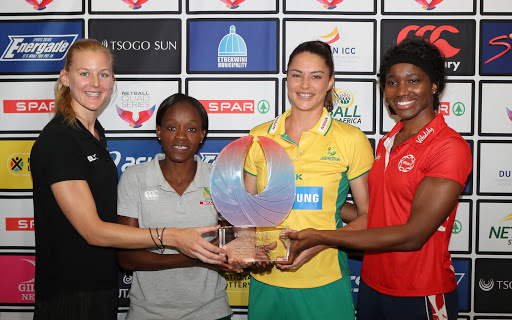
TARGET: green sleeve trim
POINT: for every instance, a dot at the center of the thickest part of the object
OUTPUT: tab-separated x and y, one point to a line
360	175
254	175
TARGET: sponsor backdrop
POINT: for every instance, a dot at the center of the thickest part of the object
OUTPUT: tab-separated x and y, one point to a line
231	55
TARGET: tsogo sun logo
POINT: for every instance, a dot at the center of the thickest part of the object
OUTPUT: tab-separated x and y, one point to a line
486	285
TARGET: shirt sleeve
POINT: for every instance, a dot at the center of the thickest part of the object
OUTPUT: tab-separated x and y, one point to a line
360	155
61	158
128	203
451	160
255	151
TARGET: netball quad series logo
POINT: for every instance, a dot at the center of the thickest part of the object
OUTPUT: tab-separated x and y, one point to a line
509	114
232	4
38	47
232	51
135	4
39	4
406	163
330	4
429	4
138	121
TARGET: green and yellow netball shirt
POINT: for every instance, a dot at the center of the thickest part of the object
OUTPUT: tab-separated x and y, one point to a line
325	159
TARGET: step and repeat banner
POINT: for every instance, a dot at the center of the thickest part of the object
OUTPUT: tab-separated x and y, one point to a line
231	55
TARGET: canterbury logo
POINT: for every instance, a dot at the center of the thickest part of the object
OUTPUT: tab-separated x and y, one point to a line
435	35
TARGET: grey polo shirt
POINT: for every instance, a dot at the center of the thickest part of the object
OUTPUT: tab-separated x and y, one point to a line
181	293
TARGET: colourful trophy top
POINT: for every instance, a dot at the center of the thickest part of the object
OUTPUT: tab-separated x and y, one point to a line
238	206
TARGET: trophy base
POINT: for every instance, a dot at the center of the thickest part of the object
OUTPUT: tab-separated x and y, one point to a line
254	244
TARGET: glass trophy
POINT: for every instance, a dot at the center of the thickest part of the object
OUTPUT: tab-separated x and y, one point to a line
255	234
253	244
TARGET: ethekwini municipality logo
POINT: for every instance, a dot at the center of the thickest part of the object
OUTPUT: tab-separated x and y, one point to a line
232	51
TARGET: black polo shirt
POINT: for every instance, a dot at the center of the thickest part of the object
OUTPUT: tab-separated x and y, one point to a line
64	260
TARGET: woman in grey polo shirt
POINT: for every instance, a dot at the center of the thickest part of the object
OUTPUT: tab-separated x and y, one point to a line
172	191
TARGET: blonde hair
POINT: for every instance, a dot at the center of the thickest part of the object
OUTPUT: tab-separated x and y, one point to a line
62	93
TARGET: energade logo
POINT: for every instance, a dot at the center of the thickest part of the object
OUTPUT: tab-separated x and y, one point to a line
455	38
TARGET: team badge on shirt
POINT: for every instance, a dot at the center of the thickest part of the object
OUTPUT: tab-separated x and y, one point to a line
331	151
151	195
207	197
406	163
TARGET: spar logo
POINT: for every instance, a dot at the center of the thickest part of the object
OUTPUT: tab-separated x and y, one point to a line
19	164
232	51
236	106
19	224
232	4
330	4
39	4
135	4
37	47
458	108
429	4
29	106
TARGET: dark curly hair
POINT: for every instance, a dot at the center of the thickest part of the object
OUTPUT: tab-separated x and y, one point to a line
323	50
427	56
